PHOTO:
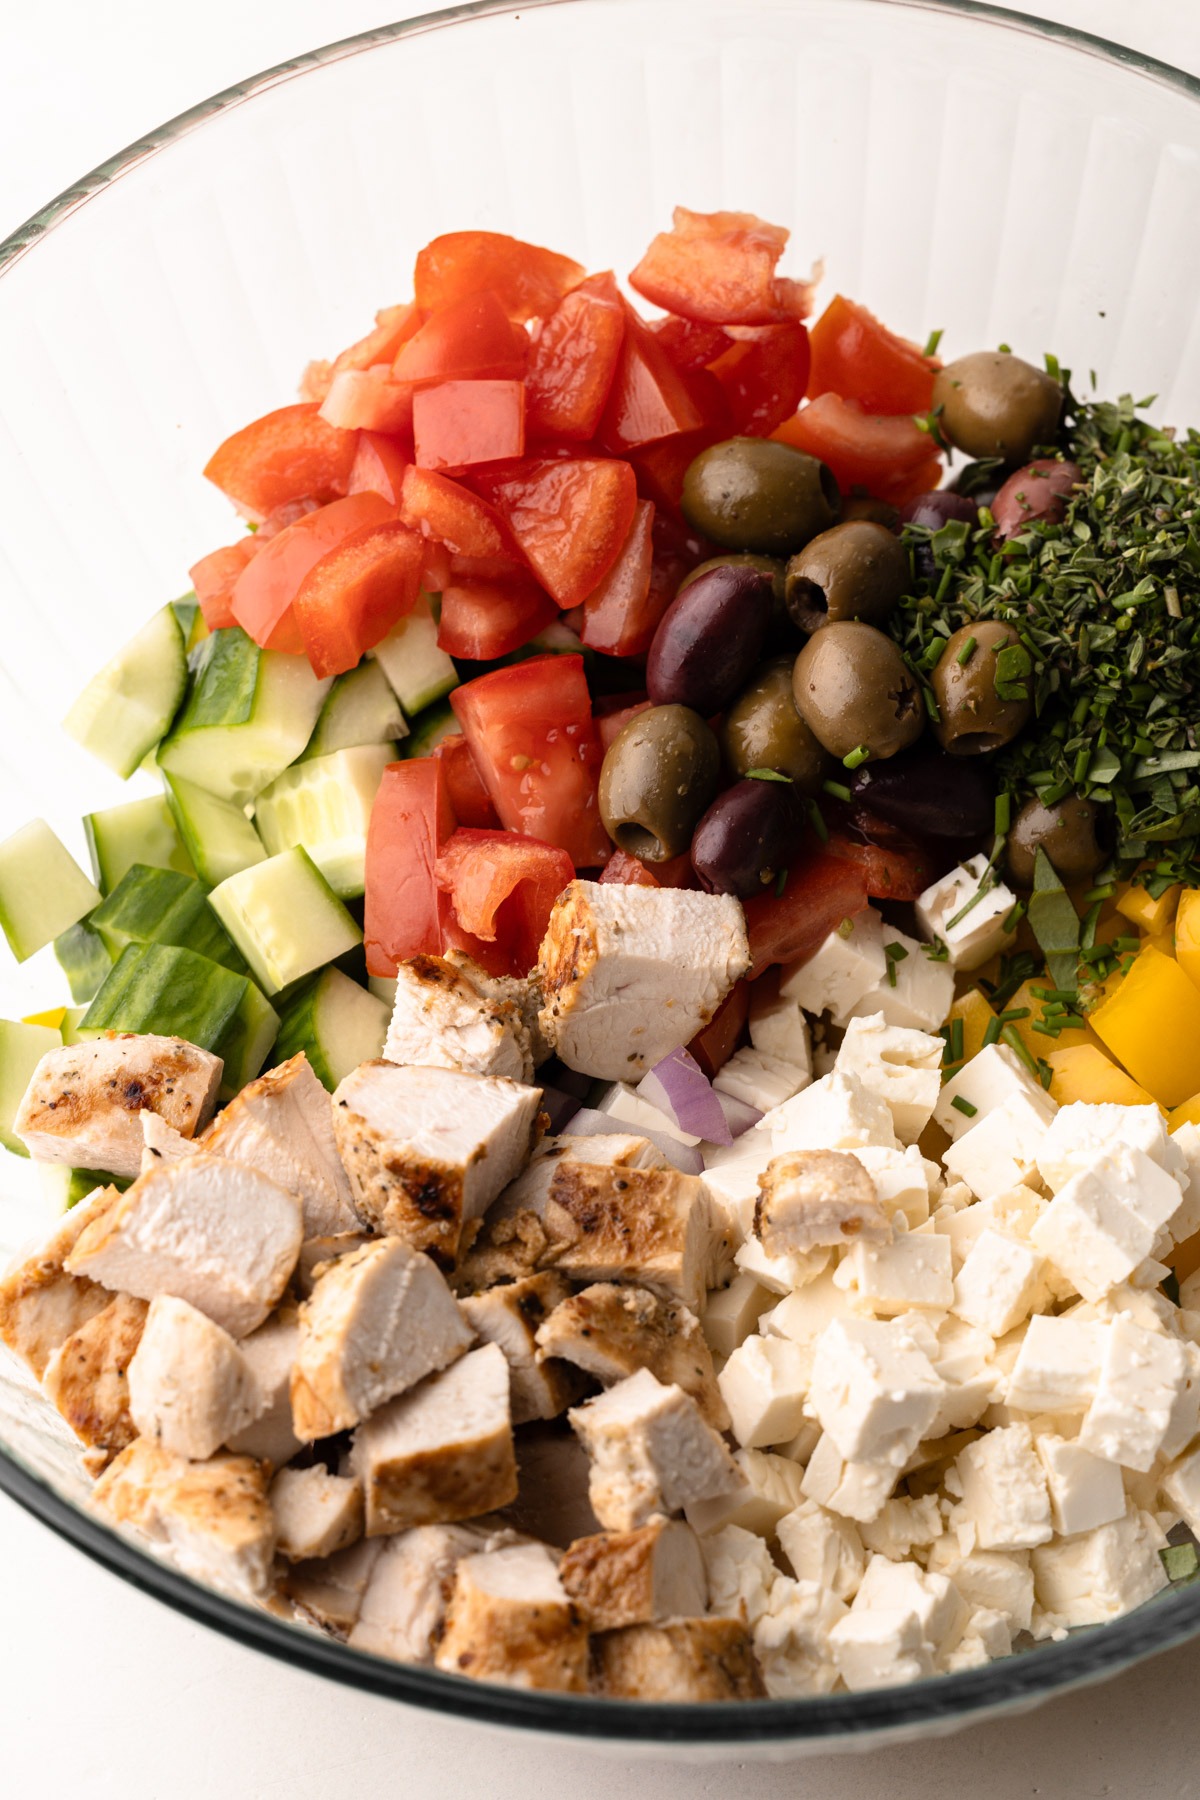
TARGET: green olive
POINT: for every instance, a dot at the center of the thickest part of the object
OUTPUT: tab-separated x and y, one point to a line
773	566
658	776
1066	832
857	570
753	494
763	730
974	717
855	693
993	404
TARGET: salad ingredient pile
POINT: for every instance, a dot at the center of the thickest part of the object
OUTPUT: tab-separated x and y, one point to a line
629	1120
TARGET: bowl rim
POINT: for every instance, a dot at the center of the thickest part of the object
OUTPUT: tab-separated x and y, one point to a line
812	1722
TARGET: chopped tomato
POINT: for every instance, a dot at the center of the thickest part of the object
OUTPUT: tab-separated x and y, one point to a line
440	508
821	890
369	400
570	517
892	458
379	465
462	422
574	360
627	871
473	340
394	325
690	343
437	567
661	467
857	357
487	616
532	735
720	267
355	594
764	373
214	577
502	889
261	602
280	517
650	398
469	798
282	456
610	725
715	1044
410	821
527	280
898	871
618	616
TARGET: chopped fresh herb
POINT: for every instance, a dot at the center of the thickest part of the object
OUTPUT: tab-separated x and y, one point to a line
1014	970
1055	926
1003	814
992	1034
1013	917
964	1106
817	821
895	952
1015	1012
985	886
936	951
1044	1073
767	775
836	790
857	757
1180	1561
845	928
1011	1036
967	652
932	342
957	1048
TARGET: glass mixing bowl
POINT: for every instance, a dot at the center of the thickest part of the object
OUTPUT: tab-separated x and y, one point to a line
952	165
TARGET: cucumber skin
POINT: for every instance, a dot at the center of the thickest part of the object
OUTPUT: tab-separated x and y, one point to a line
360	708
67	1186
248	1042
214	861
301	1028
225	671
429	728
160	906
84	959
167	990
248	905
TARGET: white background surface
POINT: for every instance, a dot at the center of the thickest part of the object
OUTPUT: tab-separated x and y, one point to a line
105	1692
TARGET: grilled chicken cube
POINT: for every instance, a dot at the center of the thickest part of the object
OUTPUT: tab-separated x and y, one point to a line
379	1320
442	1452
428	1150
812	1198
161	1142
652	1226
611	1331
509	1621
406	1597
621	1578
331	1590
41	1305
522	991
316	1513
271	1352
207	1230
651	1452
553	1504
511	1316
630	973
282	1125
682	1659
443	1018
190	1386
213	1516
82	1105
87	1378
316	1252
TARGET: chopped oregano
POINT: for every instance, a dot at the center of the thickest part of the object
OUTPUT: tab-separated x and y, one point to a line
1055	926
767	775
1180	1561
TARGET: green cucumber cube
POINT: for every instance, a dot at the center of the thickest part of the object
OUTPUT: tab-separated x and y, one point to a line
43	891
429	728
248	1042
337	1024
219	837
65	1187
360	708
418	670
284	918
160	906
141	831
325	806
84	959
22	1048
125	709
165	989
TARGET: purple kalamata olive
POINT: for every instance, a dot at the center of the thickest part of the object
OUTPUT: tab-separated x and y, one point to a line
746	837
709	639
927	793
1038	493
933	510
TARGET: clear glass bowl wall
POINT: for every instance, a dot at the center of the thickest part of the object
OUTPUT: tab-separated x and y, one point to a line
949	165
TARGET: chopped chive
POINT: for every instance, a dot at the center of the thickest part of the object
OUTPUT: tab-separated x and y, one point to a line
1180	1561
846	928
1044	1073
816	820
766	775
932	342
895	952
1013	917
931	705
836	790
990	1036
936	951
891	974
967	652
1045	1029
957	1048
857	757
964	1106
1082	763
1051	993
1015	1012
985	887
1003	814
1011	1036
1126	946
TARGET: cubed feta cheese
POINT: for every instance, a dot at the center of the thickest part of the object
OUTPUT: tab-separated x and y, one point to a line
964	1363
917	990
970	937
835	1113
1181	1486
1186	1221
1104	1222
841	970
901	1067
1101	1574
880	1649
913	1270
902	1181
741	1573
733	1313
985	1083
987	1636
873	1390
1014	1212
778	1026
998	1283
731	1180
1085	1490
1142	1377
781	1274
770	1487
1000	1149
1081	1132
823	1547
1001	1580
1004	1493
934	1600
1058	1365
791	1639
760	1079
764	1384
855	1490
803	1315
904	1526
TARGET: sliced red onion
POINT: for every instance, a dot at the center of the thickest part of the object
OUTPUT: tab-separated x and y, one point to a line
684	1157
560	1107
739	1116
679	1086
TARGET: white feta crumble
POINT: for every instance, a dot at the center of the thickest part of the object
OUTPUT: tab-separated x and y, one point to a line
983	1085
879	1649
900	1066
1000	1149
764	1384
778	1026
1004	1494
1143	1377
998	1283
1082	1131
1101	1574
824	1547
912	1271
1058	1365
836	1113
1085	1489
917	990
873	1390
855	1490
970	936
847	965
1105	1220
760	1079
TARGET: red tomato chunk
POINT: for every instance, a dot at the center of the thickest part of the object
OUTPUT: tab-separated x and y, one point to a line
855	356
526	280
720	267
410	821
462	422
282	456
569	516
355	594
502	889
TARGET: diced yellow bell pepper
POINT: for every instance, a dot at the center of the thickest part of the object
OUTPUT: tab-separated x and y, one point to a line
1187	1114
976	1016
1085	1073
1187	934
53	1019
1151	916
1151	1024
1040	1043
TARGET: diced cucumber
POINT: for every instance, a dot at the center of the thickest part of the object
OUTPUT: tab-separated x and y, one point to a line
22	1048
247	1043
160	906
284	918
125	709
429	728
84	959
43	891
360	708
65	1187
325	805
249	715
141	831
186	610
166	989
409	656
336	1023
218	836
384	988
